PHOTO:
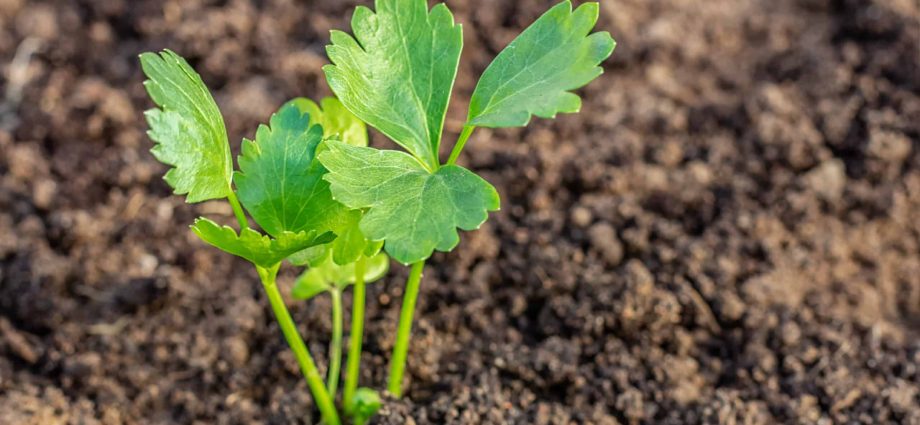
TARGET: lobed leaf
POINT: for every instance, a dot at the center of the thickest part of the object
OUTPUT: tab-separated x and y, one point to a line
281	184
398	70
412	210
259	249
535	74
339	123
187	128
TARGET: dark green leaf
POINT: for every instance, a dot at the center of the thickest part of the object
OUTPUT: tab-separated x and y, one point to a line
337	122
279	182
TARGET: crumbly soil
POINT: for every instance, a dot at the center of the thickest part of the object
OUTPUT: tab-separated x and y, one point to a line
728	233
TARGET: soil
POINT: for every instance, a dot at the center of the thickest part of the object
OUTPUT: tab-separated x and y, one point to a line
728	233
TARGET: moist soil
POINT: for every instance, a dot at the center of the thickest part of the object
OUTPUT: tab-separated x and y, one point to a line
728	233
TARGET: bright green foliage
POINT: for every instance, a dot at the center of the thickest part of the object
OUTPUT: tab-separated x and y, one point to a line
397	72
340	124
413	210
535	73
327	200
351	242
187	128
279	182
364	405
336	121
259	249
311	257
328	275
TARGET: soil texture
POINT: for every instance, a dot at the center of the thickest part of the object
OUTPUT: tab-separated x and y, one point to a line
728	233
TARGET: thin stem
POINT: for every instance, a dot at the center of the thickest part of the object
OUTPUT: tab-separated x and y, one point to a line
238	210
352	368
401	349
335	348
461	142
301	353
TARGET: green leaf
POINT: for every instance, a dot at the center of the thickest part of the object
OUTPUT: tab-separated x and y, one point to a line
329	275
364	405
311	256
259	249
335	120
311	283
348	245
279	182
187	128
372	248
535	74
412	210
339	123
398	70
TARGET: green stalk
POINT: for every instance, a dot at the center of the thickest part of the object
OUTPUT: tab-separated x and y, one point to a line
352	367
335	348
401	349
301	353
238	210
461	142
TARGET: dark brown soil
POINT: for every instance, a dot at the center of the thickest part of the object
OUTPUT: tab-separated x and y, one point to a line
729	233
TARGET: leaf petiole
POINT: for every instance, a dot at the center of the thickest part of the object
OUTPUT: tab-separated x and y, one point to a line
461	142
323	401
401	349
238	210
335	347
352	367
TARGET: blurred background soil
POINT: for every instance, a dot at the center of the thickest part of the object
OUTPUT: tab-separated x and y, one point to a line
728	233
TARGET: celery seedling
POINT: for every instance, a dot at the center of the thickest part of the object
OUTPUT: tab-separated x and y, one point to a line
325	199
279	183
396	74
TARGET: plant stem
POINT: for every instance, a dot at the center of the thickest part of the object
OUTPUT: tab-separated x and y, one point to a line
335	348
301	353
401	349
238	210
461	142
357	334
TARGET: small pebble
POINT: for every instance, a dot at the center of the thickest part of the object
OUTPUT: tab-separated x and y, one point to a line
604	238
581	216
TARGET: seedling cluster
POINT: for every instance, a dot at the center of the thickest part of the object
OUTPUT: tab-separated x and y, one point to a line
324	200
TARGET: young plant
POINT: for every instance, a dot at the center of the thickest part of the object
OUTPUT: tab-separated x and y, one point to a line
279	183
396	73
326	200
